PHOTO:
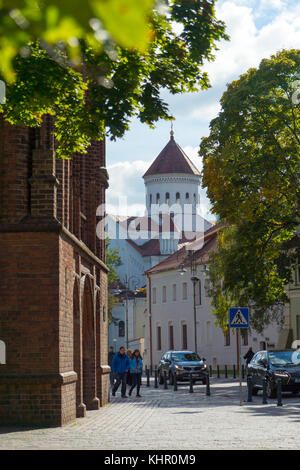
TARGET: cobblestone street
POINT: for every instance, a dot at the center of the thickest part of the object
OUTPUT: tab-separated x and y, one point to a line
164	419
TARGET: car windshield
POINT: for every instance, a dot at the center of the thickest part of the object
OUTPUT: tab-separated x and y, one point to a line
281	358
185	357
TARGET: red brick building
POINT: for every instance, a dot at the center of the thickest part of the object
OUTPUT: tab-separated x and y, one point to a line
53	279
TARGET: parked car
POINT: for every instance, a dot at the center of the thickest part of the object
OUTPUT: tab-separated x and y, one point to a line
184	363
274	365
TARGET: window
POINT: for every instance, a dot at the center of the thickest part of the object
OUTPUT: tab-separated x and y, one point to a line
184	291
167	198
184	336
157	198
154	295
244	335
121	328
2	352
164	294
150	199
171	337
227	336
158	333
198	298
208	332
187	197
174	292
177	198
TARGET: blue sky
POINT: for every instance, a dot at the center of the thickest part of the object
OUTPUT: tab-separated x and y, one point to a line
258	29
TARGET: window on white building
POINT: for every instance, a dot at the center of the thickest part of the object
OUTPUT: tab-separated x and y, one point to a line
164	294
198	297
158	337
174	292
208	332
184	291
167	200
227	336
187	198
184	336
154	295
177	198
157	198
121	329
171	337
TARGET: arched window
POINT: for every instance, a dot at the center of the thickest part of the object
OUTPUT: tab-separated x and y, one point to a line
187	197
167	198
195	200
177	198
157	198
121	329
150	199
2	352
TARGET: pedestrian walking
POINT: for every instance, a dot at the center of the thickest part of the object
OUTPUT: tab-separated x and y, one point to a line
120	367
248	357
129	378
111	354
136	369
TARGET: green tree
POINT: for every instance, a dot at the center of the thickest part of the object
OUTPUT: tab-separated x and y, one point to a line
98	90
113	261
251	172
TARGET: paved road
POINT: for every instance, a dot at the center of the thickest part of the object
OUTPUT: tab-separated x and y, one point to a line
164	419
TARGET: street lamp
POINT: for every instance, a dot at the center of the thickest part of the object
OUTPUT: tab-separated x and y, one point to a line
193	266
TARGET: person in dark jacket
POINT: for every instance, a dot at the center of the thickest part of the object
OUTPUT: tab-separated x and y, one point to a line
248	356
136	368
120	367
111	354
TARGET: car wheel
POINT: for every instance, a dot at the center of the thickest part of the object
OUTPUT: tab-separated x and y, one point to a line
271	391
160	378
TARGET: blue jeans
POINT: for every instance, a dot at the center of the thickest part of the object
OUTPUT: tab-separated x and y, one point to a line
120	377
136	382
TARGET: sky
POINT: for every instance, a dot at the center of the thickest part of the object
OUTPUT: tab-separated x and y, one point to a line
257	29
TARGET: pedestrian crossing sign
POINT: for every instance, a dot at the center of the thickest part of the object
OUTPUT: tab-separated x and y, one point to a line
239	317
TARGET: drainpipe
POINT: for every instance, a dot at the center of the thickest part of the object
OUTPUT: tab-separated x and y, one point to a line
150	319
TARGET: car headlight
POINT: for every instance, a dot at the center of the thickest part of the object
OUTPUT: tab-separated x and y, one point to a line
178	367
282	374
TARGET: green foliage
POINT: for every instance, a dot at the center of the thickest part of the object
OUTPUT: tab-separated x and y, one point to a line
101	87
251	171
127	21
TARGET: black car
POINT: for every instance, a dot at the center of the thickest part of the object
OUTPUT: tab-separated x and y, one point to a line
274	365
184	363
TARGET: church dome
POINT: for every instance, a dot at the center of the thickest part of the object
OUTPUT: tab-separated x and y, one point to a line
172	159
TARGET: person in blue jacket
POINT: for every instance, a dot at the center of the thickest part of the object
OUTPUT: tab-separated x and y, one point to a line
120	367
136	369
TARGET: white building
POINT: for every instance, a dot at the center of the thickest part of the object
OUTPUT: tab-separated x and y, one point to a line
170	317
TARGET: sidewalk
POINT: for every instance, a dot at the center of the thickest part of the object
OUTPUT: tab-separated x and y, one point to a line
164	419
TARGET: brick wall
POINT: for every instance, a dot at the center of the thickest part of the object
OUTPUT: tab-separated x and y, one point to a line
48	252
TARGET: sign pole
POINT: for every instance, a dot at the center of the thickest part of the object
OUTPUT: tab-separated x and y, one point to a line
239	318
240	368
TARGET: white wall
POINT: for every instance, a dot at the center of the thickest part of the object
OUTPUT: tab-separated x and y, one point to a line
210	339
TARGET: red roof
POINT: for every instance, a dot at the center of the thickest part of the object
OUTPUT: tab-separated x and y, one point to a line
182	256
172	159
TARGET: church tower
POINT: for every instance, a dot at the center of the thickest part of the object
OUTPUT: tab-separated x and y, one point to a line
173	187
